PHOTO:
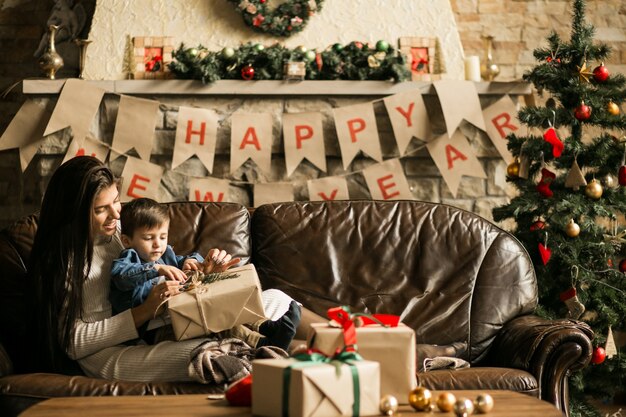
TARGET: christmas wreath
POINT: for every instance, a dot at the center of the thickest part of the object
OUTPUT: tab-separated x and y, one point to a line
288	18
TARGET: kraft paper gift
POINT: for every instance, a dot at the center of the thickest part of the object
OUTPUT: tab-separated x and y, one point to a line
392	347
314	389
217	306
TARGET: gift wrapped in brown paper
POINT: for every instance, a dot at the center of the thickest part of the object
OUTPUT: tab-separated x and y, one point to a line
314	389
220	305
392	347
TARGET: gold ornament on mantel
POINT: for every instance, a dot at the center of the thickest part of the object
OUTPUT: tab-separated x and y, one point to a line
594	189
50	62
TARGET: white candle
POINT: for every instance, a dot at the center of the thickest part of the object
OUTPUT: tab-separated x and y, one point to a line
472	68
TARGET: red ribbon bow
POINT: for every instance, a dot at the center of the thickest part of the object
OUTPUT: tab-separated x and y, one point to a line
346	320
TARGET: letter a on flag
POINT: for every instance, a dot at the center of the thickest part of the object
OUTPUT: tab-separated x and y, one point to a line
251	138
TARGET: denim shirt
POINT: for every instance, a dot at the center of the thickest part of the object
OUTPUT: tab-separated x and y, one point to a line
132	279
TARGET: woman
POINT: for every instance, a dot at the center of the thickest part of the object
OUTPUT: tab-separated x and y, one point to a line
76	241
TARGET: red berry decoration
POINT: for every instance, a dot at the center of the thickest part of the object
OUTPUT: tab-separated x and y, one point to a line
247	72
582	112
601	73
621	176
622	265
598	356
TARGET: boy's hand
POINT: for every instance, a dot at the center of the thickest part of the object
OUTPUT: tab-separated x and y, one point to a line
191	264
171	273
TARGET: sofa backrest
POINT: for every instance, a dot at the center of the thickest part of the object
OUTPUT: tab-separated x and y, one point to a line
450	274
193	227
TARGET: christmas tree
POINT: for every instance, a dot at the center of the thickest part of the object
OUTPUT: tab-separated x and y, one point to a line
569	210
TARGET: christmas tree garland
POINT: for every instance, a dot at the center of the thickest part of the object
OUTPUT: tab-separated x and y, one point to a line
354	61
288	18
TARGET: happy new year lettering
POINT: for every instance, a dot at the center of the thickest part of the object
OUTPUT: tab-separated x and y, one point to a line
500	126
208	196
453	154
333	195
303	132
134	184
407	113
384	186
190	132
250	138
355	126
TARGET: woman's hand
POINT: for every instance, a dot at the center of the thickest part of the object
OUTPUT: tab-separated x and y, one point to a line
154	302
218	261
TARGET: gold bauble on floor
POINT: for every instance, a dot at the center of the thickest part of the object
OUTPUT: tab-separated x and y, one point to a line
420	398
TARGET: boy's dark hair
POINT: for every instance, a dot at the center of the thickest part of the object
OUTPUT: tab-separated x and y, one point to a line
142	212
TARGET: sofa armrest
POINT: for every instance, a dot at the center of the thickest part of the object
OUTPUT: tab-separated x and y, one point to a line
548	349
6	366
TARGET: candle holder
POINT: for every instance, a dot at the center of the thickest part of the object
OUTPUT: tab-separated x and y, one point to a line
82	54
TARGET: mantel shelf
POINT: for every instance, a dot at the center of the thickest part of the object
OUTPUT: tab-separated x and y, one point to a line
267	88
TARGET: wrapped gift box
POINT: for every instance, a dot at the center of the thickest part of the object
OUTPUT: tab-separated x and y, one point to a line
315	389
392	347
220	305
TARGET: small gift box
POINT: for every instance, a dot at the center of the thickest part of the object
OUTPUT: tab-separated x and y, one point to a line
220	305
308	388
392	344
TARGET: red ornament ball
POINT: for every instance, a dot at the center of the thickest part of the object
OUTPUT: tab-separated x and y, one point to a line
622	265
538	225
247	72
621	176
601	73
582	112
598	356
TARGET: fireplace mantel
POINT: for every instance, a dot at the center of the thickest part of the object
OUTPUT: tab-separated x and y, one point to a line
267	88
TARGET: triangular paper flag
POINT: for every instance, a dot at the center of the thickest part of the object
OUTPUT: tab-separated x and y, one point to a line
454	157
545	253
501	120
90	146
575	177
140	179
459	101
357	131
524	166
328	189
304	138
196	134
609	347
272	193
134	127
386	181
409	118
251	138
208	189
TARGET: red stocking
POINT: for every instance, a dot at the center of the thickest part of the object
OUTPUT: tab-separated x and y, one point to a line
544	184
551	137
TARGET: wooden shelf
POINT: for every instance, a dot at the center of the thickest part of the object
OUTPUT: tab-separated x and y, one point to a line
267	88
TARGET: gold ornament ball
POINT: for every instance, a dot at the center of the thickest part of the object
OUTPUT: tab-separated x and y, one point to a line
608	181
463	407
612	108
420	398
483	403
388	405
594	189
445	401
512	170
572	229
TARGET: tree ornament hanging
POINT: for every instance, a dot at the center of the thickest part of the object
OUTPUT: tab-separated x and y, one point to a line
544	184
612	108
512	170
609	347
544	252
537	225
601	73
290	17
594	189
551	137
598	356
622	266
582	112
247	72
621	176
575	178
583	72
608	181
572	229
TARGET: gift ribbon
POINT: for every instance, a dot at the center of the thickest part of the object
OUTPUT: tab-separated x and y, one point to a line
312	358
346	320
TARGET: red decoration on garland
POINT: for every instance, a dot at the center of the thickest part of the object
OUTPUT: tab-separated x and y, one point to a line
598	356
621	176
239	393
601	73
545	253
247	72
258	20
582	112
622	265
544	184
557	146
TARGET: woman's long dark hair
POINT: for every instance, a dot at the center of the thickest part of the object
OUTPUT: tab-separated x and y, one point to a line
62	254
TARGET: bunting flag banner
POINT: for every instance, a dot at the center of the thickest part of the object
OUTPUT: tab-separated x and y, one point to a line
304	138
26	130
386	181
90	146
328	189
140	179
134	127
196	134
272	193
76	107
459	101
501	119
454	158
409	118
357	131
251	138
208	190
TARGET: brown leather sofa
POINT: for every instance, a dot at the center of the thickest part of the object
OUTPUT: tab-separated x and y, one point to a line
467	287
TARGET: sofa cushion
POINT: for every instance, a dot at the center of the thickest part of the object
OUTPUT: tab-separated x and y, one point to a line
450	274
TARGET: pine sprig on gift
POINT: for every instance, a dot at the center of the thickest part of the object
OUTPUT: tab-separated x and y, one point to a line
195	278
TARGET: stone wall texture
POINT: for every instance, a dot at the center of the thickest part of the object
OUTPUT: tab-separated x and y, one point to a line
518	26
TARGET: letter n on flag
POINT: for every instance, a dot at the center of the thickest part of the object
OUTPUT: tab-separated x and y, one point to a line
500	120
328	189
251	138
208	190
196	134
303	137
140	179
454	158
386	181
357	131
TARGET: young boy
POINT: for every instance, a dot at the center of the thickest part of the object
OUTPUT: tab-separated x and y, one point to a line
148	258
